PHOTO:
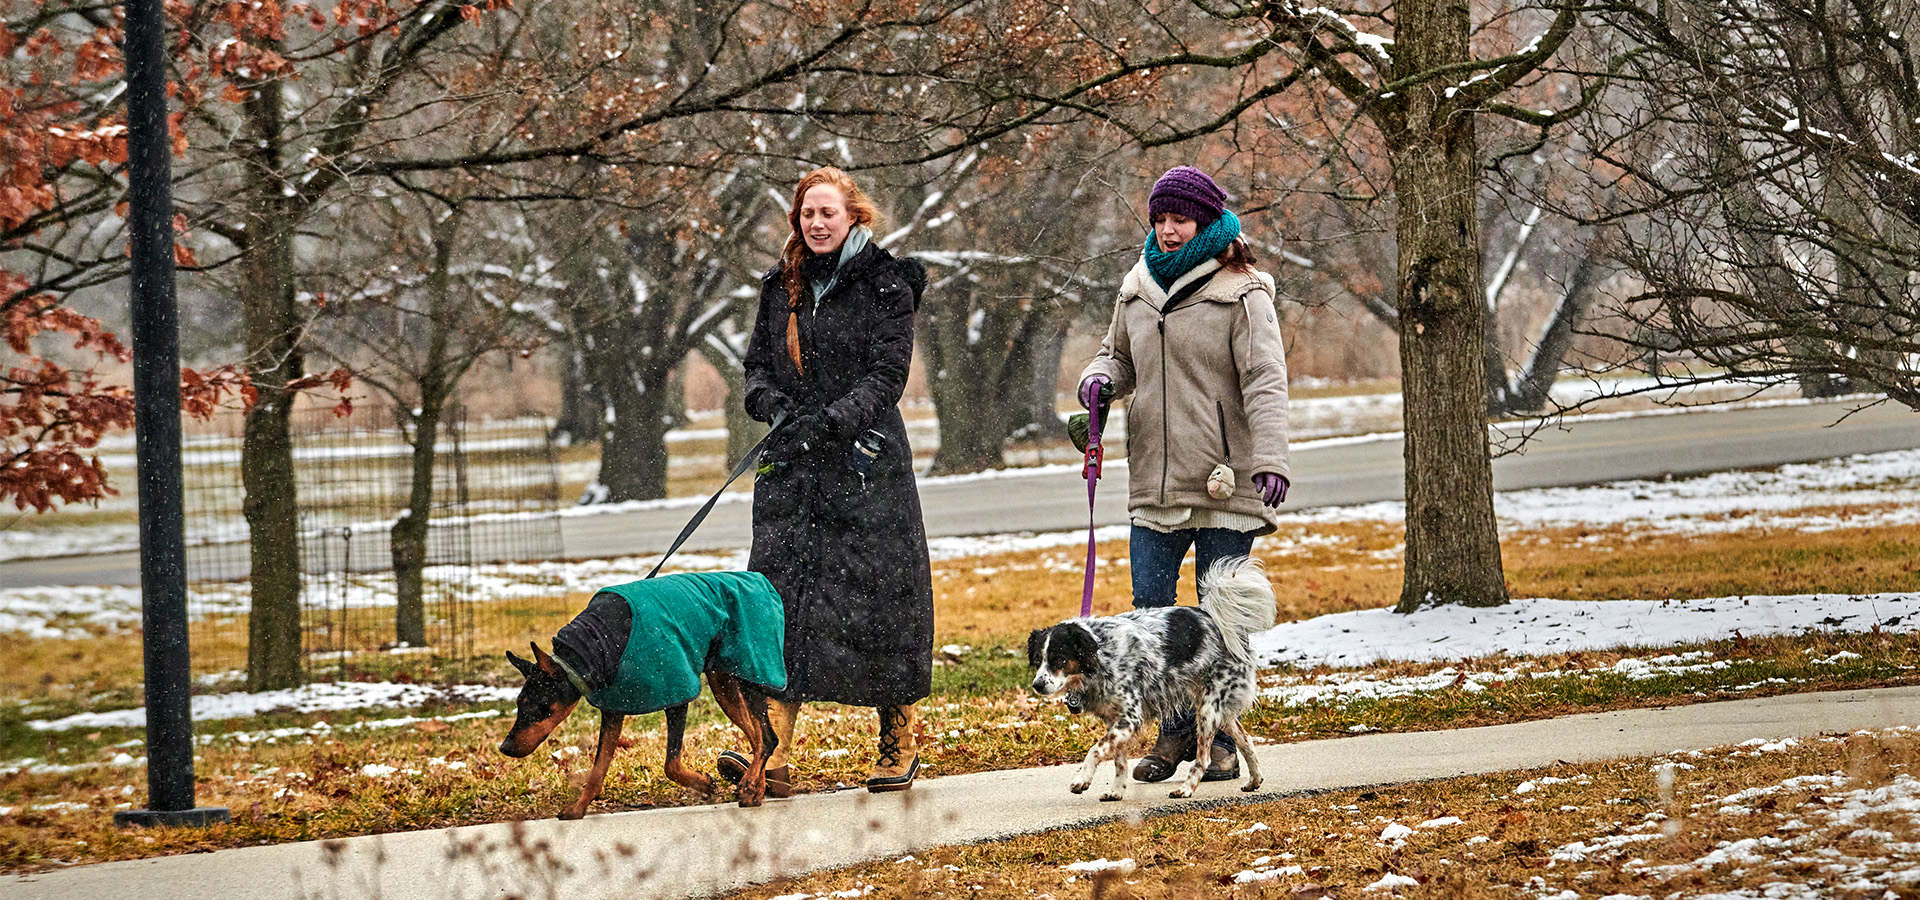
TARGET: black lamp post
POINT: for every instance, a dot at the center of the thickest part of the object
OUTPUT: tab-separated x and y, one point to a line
156	407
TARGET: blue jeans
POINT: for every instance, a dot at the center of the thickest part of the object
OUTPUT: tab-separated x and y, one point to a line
1155	558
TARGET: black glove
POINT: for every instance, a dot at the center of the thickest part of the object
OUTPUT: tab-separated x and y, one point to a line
837	423
797	436
767	403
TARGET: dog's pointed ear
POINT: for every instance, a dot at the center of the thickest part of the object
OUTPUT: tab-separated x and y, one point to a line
1036	645
526	668
1081	646
543	660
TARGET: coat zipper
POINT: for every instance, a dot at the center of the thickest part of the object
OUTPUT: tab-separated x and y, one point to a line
1226	450
1165	435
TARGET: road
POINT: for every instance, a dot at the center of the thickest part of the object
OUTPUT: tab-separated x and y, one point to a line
1326	473
698	851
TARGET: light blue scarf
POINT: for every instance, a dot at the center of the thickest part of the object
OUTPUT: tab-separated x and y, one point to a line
856	241
1209	243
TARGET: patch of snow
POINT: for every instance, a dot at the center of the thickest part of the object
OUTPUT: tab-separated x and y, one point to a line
1122	866
1538	626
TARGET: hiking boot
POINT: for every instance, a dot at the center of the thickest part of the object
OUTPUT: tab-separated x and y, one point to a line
1223	764
781	714
899	758
1169	751
733	764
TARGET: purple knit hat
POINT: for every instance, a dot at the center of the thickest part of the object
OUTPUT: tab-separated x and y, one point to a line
1187	191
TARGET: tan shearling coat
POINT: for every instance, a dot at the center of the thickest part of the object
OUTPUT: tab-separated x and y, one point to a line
1217	351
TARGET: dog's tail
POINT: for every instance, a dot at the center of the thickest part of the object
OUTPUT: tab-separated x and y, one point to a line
1236	593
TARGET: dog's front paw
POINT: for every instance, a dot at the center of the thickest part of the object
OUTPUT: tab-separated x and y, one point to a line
753	791
1250	786
573	812
1080	787
1180	792
1114	795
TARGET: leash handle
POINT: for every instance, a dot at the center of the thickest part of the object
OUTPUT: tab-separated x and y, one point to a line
746	462
1096	454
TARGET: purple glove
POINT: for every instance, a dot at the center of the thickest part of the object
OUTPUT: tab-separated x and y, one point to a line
1095	389
1272	486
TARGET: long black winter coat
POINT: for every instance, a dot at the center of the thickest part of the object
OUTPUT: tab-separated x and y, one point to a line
849	559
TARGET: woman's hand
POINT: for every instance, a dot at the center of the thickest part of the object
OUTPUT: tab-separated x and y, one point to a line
795	437
1273	487
768	404
1095	390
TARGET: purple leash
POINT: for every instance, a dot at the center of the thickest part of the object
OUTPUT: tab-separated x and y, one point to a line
1091	472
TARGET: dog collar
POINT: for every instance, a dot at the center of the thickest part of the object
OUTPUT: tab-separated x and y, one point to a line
579	684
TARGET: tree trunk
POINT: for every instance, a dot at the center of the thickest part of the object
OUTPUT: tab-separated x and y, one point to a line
408	538
972	423
266	467
1531	389
1453	545
633	460
633	457
1758	254
972	437
270	322
583	411
1037	415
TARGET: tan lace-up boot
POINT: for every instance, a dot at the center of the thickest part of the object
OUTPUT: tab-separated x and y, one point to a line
733	764
899	759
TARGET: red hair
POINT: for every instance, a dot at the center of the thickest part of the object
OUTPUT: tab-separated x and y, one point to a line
860	209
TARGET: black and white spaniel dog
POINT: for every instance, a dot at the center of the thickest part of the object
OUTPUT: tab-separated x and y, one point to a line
1133	668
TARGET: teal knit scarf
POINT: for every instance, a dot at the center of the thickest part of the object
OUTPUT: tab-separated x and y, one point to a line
1209	243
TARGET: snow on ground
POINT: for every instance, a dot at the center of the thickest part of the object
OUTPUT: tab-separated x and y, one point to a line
1876	489
1345	687
1797	496
1537	627
1838	845
322	697
1882	489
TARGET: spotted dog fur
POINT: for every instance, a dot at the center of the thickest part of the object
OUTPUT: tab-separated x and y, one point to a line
1138	666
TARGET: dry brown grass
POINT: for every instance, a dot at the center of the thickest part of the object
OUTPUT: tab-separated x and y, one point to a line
1328	568
1345	566
313	785
1503	847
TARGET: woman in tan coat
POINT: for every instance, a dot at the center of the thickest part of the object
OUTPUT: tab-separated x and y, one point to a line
1195	341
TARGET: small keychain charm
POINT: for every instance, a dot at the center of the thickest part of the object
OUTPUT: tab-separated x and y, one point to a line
1220	482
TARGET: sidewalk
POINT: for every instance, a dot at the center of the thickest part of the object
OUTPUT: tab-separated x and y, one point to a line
696	851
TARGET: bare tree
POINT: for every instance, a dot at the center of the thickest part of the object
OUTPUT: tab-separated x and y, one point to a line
1005	281
1424	88
1765	154
416	313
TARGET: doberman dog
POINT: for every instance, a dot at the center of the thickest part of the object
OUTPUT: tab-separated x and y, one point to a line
623	657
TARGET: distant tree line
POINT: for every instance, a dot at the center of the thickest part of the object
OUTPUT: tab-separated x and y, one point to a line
392	192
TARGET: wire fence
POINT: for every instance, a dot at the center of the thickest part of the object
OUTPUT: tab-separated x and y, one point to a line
495	498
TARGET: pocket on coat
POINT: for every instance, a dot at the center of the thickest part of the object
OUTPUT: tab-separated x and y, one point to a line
776	494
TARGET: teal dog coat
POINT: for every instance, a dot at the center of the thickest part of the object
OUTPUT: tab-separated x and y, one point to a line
678	623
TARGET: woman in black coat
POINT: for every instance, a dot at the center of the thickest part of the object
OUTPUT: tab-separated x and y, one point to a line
836	514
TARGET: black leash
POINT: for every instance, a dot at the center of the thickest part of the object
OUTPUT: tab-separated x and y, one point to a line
746	462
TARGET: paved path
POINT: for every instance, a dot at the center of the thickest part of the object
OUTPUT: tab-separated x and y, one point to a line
696	851
1586	451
